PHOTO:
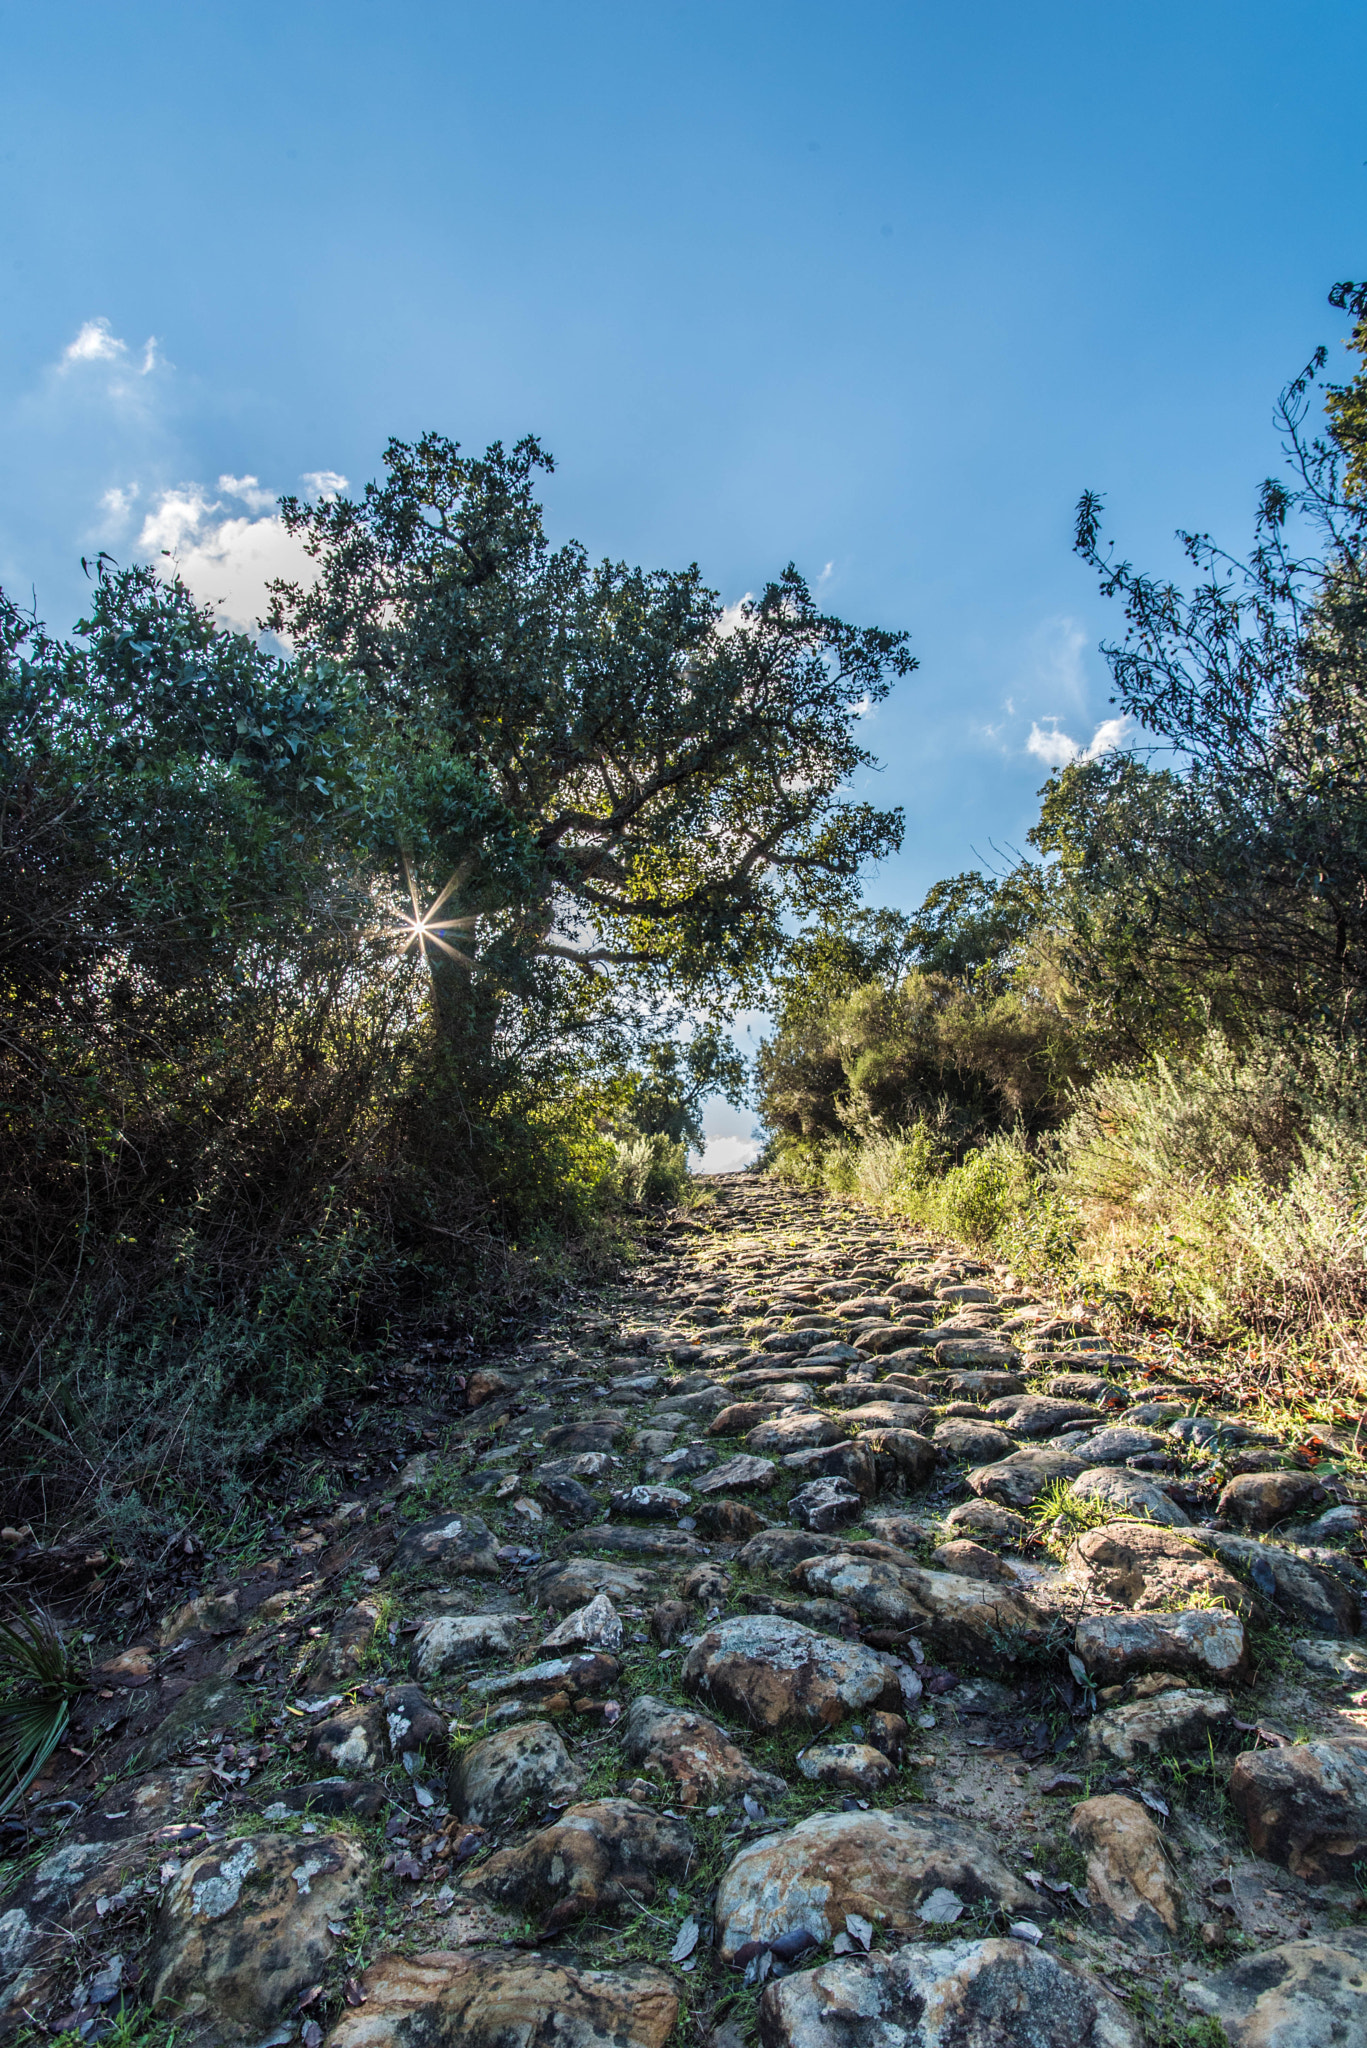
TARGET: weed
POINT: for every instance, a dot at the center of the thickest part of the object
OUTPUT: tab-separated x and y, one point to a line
41	1677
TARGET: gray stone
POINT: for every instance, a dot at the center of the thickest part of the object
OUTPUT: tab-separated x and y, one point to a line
521	1769
1259	1500
1018	1481
452	1642
1129	1881
1183	1721
977	1443
1302	1994
1205	1643
967	1994
801	1432
1114	1446
775	1673
208	1704
1129	1494
697	1760
741	1474
1308	1594
598	1857
825	1504
458	1543
1305	1806
245	1928
880	1865
570	1582
472	1998
846	1766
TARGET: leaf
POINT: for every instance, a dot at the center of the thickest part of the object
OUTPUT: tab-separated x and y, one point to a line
311	2034
1154	1803
860	1928
352	1992
1078	1668
685	1941
407	1866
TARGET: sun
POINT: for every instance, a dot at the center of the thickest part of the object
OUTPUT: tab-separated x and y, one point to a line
424	927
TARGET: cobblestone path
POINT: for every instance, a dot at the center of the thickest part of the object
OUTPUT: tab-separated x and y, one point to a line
814	1643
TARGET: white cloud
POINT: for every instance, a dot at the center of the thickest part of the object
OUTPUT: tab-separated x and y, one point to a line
225	560
724	1155
733	616
117	503
96	343
324	484
249	491
1056	749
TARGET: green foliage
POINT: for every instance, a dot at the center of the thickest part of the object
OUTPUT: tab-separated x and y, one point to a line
650	1168
39	1678
612	772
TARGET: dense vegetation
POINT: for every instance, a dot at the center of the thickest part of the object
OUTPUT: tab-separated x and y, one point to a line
353	971
1137	1058
339	977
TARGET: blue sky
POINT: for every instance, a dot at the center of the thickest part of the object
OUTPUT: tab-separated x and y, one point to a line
877	288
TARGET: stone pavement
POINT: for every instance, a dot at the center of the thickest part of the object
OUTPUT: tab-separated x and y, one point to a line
817	1642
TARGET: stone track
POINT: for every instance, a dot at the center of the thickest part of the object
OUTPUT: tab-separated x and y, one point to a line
817	1641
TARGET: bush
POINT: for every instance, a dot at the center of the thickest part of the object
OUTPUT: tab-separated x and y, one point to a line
649	1169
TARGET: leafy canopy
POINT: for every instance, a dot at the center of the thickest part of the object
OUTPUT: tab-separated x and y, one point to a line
617	772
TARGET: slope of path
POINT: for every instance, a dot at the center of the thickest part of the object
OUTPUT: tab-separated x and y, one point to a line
708	1670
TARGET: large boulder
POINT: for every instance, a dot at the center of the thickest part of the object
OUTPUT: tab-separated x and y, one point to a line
803	1431
1203	1642
1018	1481
1125	1493
697	1761
1305	1593
775	1673
451	1642
595	1858
245	1928
1139	1565
1183	1721
1305	1806
458	1543
1304	1994
514	1771
1259	1500
879	1865
1129	1881
473	1998
971	1620
968	1994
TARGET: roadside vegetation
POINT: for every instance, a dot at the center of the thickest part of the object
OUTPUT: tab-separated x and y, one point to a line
1132	1065
361	976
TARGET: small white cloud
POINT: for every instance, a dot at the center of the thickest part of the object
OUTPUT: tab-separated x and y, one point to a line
96	343
323	484
733	616
225	562
1056	749
249	491
1106	738
117	503
826	574
724	1155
